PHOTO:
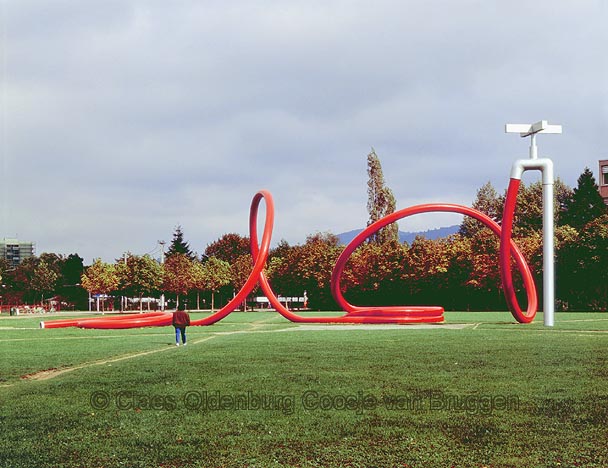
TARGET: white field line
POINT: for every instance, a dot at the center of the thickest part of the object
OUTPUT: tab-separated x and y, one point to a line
542	331
52	373
379	326
584	320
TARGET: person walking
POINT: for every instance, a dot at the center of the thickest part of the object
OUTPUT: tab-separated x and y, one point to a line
181	320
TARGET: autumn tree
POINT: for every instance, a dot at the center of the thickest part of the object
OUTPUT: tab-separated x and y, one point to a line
284	273
55	264
240	271
198	278
178	274
3	268
44	279
276	267
20	280
283	270
210	275
280	250
374	275
308	268
456	294
215	274
228	248
139	275
100	278
427	269
380	201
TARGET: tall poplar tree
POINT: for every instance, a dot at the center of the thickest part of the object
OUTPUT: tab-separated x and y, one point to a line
380	201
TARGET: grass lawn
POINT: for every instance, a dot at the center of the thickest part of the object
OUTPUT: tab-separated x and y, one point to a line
256	390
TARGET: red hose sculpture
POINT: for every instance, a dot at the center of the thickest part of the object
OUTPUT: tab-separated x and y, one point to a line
354	314
505	261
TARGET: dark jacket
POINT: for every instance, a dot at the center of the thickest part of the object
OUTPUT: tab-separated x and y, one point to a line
181	319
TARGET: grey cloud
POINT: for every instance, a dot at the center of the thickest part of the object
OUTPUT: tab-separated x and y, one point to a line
125	118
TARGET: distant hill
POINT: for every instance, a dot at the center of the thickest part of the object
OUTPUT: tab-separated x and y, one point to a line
408	237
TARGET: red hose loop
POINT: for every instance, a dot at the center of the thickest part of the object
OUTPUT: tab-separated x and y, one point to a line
508	244
354	314
85	322
165	318
505	261
260	255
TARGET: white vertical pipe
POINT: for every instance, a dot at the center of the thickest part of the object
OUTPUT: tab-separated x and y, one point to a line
546	167
548	247
533	147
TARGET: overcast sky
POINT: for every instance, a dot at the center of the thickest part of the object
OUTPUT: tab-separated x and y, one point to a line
121	119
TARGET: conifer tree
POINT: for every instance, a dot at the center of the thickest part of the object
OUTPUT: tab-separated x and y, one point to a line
178	245
380	201
586	203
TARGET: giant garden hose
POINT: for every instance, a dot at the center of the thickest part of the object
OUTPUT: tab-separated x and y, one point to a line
354	314
505	261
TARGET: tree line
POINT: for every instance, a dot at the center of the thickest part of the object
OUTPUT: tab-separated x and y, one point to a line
459	272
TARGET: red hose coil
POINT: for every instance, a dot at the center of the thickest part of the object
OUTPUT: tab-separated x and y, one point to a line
505	262
354	314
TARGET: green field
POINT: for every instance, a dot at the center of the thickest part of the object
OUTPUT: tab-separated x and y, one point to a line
256	390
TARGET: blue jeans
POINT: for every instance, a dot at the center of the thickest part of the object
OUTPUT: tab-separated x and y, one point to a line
179	331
